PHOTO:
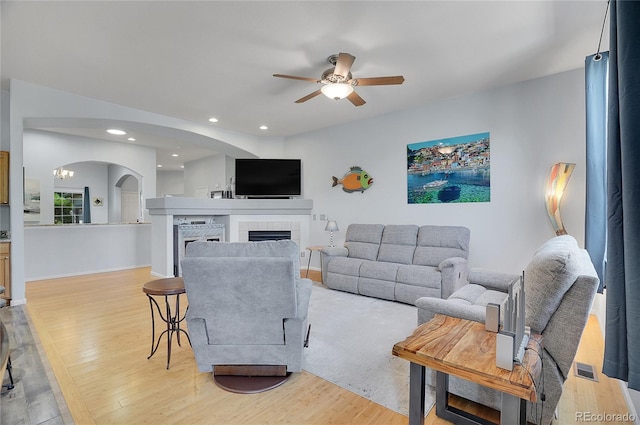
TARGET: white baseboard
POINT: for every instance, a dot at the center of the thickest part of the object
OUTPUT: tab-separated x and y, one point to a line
629	401
117	269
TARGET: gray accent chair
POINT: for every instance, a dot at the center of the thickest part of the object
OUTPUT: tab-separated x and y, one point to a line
247	303
398	262
560	285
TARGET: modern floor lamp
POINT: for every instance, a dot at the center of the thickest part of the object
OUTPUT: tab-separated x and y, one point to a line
556	184
332	226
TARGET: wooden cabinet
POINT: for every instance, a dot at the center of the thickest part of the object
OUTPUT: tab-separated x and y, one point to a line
5	268
4	177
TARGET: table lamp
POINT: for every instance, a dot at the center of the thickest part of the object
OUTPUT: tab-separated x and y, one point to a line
332	226
556	184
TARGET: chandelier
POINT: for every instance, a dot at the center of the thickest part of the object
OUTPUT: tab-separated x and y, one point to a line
62	173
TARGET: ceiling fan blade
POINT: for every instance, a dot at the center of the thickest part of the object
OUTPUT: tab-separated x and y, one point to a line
309	96
356	99
343	64
379	81
293	77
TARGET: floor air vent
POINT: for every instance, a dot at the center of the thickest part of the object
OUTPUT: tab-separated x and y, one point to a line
585	371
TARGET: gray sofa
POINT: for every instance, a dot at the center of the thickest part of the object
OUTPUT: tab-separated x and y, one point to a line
560	285
398	262
247	303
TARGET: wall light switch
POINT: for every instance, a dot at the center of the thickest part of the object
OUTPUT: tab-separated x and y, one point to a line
314	217
323	217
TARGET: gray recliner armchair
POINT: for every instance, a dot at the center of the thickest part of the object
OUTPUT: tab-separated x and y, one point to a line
560	285
247	304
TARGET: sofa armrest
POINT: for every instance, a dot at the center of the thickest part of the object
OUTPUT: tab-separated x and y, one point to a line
335	251
498	281
455	274
328	253
429	307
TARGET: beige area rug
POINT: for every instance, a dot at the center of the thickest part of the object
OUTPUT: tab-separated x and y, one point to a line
350	345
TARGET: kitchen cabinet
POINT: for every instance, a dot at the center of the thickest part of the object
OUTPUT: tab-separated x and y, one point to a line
5	269
4	177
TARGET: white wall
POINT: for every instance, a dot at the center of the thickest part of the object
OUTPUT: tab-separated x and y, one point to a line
90	174
87	248
43	151
169	182
33	106
532	126
209	172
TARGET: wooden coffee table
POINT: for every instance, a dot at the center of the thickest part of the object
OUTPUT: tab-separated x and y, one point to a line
172	286
463	348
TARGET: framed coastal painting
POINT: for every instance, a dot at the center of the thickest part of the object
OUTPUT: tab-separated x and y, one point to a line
457	169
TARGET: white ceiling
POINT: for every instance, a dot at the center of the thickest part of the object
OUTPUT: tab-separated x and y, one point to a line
194	60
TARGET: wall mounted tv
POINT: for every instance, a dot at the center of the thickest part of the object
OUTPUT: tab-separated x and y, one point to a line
268	178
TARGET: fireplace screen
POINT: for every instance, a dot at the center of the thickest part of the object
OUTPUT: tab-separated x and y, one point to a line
183	234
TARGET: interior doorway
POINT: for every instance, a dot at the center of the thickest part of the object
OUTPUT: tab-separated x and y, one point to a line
130	205
129	199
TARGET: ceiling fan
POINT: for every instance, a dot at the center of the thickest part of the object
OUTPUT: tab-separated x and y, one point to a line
338	82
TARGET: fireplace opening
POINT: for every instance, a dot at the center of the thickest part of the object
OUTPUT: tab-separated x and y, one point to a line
268	235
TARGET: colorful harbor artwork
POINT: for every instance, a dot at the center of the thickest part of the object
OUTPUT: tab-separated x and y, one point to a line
450	170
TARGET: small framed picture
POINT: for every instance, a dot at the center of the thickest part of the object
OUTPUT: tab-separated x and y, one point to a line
216	194
98	202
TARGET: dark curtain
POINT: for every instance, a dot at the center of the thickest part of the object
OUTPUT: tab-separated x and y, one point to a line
595	241
622	338
86	207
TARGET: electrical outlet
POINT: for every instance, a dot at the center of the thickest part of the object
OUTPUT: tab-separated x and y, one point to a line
301	254
323	217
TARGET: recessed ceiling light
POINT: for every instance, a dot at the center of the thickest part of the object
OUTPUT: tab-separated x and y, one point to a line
182	166
159	165
263	127
131	139
175	154
213	119
116	132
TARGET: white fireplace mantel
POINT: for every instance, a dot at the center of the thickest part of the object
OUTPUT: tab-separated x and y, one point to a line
237	215
206	206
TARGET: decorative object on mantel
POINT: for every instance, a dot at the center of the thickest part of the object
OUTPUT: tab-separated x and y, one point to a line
332	226
62	173
355	180
228	192
456	169
556	184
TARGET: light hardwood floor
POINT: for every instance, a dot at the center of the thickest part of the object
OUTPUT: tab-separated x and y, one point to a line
96	332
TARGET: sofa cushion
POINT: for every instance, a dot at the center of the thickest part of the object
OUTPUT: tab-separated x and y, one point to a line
363	240
379	270
378	279
437	243
409	294
473	294
553	269
423	276
345	265
398	243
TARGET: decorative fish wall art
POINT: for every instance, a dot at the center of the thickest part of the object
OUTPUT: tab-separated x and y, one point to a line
355	180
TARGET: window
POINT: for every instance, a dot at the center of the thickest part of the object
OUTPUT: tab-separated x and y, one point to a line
67	207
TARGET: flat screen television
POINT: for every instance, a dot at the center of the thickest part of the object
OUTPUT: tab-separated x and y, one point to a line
268	178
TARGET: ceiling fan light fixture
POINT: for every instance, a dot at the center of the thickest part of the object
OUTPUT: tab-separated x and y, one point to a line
337	91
